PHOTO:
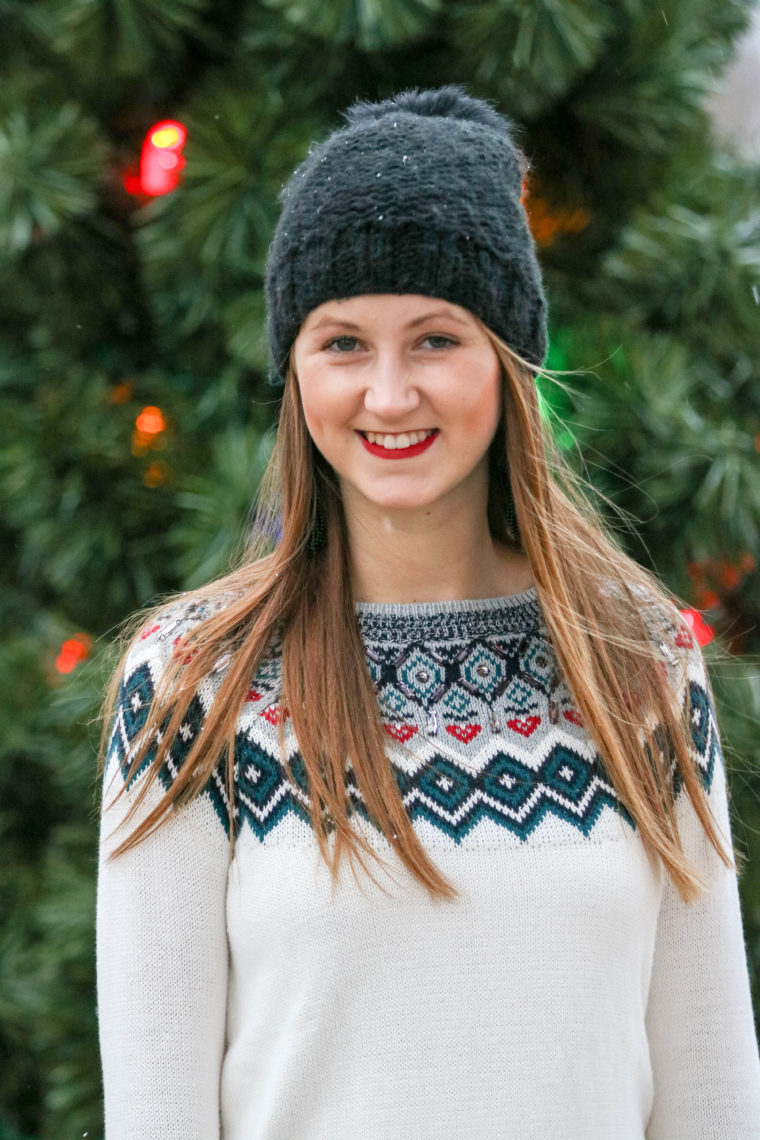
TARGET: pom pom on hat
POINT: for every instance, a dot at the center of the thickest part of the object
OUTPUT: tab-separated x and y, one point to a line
451	101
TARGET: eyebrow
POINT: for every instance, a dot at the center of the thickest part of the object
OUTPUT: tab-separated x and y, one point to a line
411	324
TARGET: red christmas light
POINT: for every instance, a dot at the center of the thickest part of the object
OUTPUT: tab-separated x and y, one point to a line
161	160
716	578
73	650
729	575
699	627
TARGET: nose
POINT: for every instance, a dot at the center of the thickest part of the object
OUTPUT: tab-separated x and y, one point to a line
390	393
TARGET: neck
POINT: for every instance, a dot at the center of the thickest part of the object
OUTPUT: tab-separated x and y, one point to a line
429	556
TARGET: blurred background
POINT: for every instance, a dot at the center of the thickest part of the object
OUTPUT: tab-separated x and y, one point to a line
143	144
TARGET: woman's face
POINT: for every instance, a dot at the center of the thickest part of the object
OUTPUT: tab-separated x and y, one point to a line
384	366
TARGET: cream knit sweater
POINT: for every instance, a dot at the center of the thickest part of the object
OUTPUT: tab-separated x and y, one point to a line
566	994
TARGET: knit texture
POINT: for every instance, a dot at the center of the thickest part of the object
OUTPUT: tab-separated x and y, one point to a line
568	991
421	194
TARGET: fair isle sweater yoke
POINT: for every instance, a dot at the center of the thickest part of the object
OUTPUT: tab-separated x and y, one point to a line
567	993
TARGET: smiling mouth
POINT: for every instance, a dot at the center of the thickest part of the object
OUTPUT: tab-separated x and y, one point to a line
401	446
397	441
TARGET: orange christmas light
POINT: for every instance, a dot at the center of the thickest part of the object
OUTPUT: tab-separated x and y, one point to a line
121	393
150	425
150	421
546	222
546	226
156	474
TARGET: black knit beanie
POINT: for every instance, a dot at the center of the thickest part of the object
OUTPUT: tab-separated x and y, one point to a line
419	193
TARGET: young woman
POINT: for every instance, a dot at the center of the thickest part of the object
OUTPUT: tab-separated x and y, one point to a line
416	823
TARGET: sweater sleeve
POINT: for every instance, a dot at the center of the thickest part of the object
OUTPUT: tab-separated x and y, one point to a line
161	942
699	1018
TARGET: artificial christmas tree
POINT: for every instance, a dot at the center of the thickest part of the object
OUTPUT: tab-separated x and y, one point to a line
135	417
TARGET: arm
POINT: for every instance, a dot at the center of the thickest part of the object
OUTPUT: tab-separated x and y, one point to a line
161	952
699	1018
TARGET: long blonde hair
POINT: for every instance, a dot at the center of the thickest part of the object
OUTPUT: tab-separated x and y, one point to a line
604	646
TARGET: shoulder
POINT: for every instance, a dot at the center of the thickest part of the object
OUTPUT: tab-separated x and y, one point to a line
158	641
166	637
159	638
687	672
668	629
671	632
678	650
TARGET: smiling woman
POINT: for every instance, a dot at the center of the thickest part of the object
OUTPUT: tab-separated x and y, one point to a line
446	670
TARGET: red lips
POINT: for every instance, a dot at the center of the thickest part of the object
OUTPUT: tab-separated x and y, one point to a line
401	452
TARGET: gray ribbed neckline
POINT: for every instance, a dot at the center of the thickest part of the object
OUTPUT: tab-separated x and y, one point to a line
457	619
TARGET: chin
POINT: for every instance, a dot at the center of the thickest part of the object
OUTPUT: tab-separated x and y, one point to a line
409	505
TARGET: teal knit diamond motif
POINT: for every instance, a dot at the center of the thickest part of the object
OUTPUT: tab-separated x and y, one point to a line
420	676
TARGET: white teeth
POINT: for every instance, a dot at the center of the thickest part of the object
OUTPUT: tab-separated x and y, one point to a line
396	442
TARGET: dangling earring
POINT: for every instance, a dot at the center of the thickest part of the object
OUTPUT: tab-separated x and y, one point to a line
511	513
499	476
317	540
509	506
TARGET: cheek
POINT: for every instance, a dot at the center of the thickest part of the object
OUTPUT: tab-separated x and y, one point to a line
312	417
325	409
480	409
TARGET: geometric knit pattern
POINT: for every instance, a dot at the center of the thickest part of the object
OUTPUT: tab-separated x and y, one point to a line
480	725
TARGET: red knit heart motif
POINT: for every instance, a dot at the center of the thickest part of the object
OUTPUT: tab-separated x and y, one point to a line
464	732
402	732
525	725
274	714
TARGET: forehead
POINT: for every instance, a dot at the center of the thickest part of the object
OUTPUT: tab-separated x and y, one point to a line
376	310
